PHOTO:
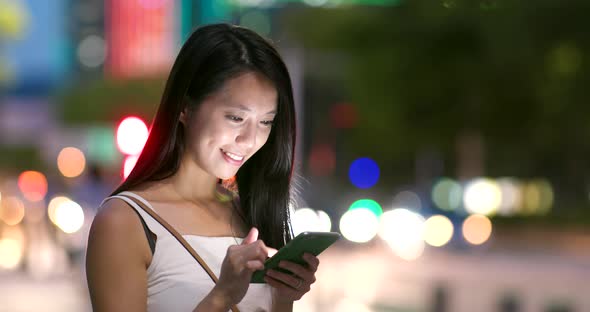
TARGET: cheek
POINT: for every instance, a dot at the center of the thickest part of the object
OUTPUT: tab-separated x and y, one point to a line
215	133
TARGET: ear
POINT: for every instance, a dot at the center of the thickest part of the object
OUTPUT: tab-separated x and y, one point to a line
184	114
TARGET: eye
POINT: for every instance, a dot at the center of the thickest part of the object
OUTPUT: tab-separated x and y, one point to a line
234	118
267	123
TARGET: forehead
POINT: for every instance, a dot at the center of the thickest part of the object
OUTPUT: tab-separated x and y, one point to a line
249	91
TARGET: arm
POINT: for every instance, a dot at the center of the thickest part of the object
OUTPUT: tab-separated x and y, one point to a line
116	260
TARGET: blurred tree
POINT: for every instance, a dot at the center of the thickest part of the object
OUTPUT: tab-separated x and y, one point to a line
107	101
426	73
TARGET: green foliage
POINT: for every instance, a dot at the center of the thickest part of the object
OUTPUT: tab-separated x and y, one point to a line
14	159
109	100
424	72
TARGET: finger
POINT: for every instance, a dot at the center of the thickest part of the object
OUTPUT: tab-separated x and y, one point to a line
251	237
312	261
283	289
299	270
257	250
287	279
254	265
271	251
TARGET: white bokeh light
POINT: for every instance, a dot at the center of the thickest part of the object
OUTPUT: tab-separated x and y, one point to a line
307	219
132	134
325	221
11	253
129	164
359	225
482	196
402	230
69	216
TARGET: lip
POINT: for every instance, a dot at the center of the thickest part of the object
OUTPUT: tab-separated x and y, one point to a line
231	160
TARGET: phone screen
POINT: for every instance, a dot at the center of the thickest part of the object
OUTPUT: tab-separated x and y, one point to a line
310	242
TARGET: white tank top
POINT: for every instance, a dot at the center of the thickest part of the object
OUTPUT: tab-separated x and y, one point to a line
176	281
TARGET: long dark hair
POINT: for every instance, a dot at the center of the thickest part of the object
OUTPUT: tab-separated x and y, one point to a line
210	56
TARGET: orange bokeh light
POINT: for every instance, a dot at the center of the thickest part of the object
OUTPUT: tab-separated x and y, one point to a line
33	185
71	162
12	211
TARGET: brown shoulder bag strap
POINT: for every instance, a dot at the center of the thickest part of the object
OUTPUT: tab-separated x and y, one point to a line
180	239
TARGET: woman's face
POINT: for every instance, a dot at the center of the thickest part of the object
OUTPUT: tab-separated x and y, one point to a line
231	124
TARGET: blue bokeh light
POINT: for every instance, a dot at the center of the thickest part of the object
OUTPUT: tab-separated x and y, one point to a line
364	173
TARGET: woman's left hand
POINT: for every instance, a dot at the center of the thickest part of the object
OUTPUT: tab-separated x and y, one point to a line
291	287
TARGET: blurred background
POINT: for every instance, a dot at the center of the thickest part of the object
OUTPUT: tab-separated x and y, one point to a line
447	140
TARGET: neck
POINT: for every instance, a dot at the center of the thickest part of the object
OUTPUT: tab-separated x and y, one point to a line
193	183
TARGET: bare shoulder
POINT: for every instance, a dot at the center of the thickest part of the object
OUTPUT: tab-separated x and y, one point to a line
117	226
116	259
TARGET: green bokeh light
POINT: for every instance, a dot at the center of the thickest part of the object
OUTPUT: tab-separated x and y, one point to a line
369	204
447	194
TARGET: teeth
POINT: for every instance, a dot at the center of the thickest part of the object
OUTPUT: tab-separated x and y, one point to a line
234	156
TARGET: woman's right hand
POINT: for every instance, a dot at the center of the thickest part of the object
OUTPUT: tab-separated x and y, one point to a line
237	268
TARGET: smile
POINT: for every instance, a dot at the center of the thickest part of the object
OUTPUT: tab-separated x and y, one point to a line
232	158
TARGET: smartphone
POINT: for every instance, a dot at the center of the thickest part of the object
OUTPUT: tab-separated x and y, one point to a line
310	242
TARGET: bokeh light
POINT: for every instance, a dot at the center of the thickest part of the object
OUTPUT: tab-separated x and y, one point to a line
438	230
92	51
128	165
14	18
11	253
15	232
325	221
359	225
547	197
482	196
403	229
511	196
307	219
322	160
12	210
53	204
477	229
33	185
71	162
407	199
369	204
364	173
447	194
69	216
132	133
538	197
343	116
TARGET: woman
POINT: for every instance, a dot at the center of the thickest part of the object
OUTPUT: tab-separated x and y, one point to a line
227	113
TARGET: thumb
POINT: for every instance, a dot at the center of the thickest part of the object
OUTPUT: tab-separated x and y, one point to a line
251	237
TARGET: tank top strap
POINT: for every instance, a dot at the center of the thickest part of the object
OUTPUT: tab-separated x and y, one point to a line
153	225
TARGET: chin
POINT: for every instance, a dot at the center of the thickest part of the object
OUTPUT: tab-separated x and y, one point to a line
226	175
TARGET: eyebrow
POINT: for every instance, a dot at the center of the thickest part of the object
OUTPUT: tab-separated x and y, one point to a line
244	108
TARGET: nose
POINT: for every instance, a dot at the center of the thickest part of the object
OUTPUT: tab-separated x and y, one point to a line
246	138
